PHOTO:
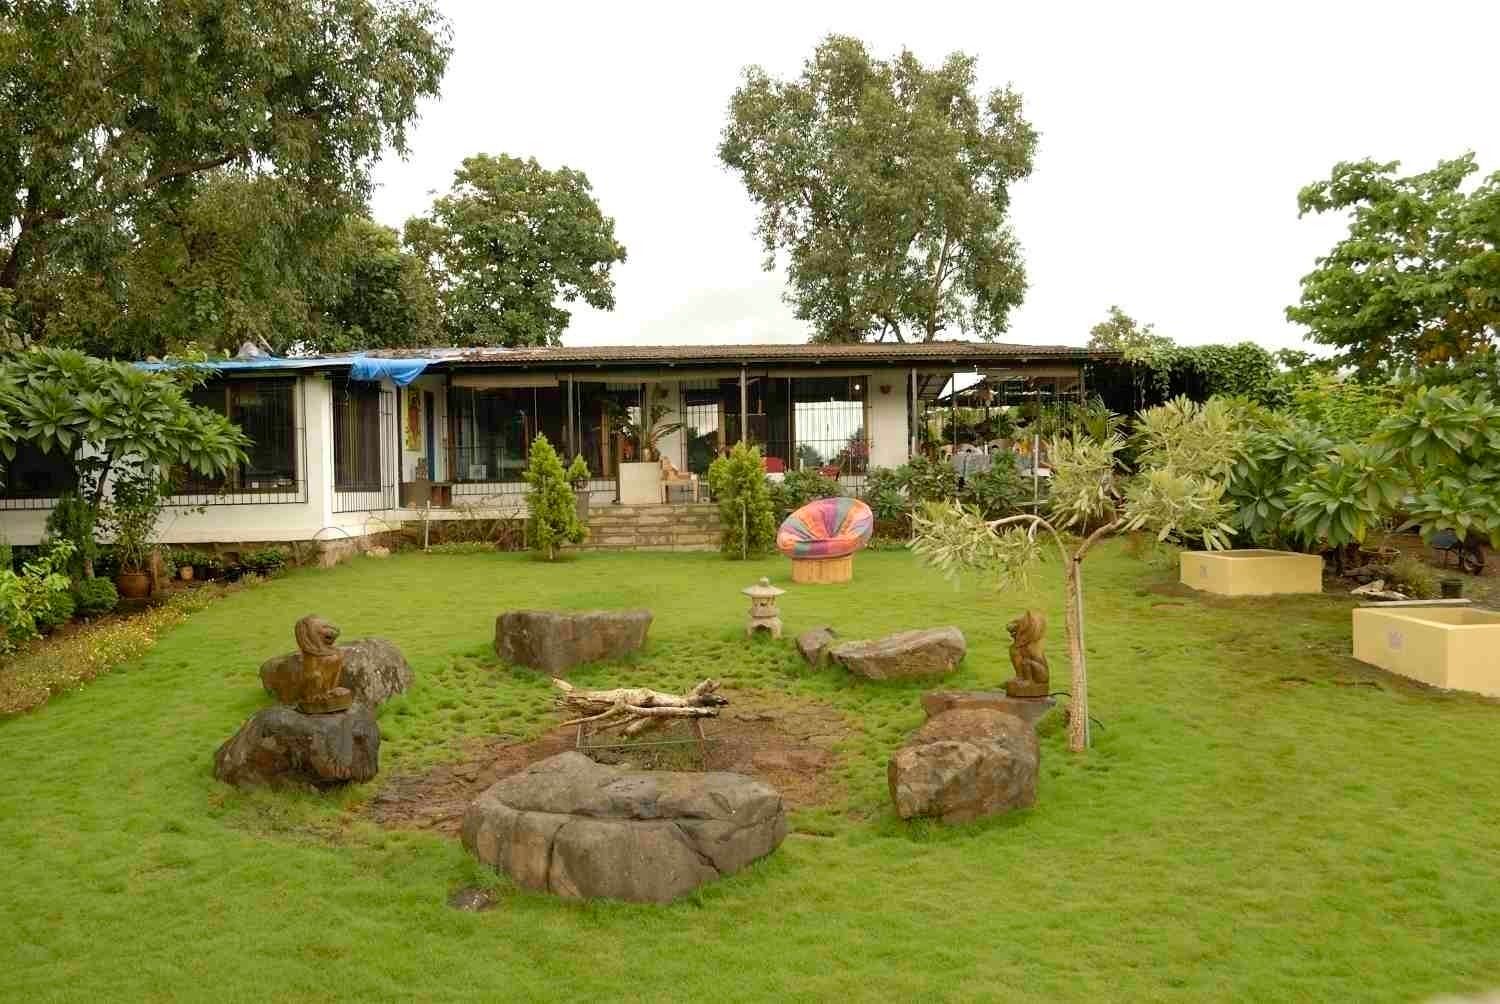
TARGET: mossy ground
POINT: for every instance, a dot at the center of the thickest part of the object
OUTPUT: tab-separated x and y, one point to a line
1261	817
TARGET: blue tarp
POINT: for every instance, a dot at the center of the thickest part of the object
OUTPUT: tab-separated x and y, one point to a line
398	371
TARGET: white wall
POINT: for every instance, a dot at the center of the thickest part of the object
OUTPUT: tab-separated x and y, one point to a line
889	432
436	466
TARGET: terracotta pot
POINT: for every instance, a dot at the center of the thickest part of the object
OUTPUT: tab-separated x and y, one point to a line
133	585
185	573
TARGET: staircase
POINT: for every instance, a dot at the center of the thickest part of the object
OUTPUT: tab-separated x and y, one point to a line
688	526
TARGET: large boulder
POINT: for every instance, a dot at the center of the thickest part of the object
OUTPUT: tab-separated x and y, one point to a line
374	671
814	645
580	829
906	655
1029	709
556	640
281	745
964	765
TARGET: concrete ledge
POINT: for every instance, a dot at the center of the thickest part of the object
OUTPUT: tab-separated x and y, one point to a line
1457	648
1252	572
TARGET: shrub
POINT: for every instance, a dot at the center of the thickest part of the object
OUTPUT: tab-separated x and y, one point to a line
93	597
1414	578
72	519
999	491
799	488
551	508
265	561
885	496
56	611
27	598
739	483
929	480
578	471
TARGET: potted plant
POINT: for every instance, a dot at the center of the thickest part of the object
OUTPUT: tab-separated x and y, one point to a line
640	482
578	475
135	505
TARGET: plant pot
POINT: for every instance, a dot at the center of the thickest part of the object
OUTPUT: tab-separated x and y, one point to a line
1451	588
185	573
581	501
133	585
640	483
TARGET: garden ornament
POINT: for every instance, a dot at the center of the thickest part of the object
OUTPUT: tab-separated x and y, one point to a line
1028	656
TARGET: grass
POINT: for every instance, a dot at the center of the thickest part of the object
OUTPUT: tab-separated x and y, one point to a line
1261	817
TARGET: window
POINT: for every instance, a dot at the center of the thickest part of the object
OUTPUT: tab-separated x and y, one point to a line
265	411
35	474
492	429
828	425
356	436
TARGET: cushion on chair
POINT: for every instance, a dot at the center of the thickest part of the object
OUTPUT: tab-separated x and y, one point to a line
826	528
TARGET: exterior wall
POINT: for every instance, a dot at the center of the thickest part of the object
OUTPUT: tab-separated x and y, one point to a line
889	417
437	467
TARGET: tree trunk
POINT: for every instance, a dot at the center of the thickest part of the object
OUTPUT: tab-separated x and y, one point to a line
1078	688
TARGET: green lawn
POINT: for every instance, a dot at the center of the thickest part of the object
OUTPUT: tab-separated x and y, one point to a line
1252	824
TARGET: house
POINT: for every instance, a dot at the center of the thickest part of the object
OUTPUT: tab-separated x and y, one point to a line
345	446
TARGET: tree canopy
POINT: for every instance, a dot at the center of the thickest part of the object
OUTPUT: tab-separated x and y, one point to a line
1416	281
507	242
886	183
118	113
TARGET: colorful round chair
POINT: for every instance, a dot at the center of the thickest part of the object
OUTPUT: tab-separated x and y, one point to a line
822	536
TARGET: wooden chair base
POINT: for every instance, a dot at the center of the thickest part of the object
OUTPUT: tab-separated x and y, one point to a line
815	570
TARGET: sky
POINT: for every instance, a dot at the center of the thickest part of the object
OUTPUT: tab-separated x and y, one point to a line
1174	138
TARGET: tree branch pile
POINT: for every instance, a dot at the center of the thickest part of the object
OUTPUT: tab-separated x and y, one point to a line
637	709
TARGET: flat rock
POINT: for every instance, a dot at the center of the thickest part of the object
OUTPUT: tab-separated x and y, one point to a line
580	829
1029	709
964	765
556	640
906	655
813	645
281	745
374	671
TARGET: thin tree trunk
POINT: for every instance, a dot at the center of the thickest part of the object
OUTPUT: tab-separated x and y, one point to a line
1078	687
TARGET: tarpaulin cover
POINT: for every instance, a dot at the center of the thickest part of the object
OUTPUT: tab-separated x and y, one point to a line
826	528
398	371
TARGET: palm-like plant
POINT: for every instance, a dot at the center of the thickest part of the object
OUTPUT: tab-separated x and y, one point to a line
647	435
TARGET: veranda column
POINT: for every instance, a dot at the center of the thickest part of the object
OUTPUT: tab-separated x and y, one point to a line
744	407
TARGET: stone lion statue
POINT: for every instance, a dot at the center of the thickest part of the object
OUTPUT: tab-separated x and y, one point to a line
316	636
1028	655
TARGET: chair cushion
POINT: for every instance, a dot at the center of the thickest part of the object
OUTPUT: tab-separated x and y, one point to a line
826	528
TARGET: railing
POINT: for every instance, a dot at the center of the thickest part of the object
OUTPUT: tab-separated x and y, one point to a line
846	460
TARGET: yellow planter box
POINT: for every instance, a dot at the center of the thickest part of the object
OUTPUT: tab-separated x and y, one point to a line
1457	648
1252	572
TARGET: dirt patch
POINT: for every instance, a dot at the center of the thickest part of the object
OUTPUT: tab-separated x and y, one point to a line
786	743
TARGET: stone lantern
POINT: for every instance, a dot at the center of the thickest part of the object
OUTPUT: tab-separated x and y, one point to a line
763	612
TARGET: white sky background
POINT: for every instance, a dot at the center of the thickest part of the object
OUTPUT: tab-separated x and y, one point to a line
1174	138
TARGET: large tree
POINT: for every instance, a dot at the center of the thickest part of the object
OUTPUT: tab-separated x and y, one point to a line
1416	281
116	111
886	184
507	242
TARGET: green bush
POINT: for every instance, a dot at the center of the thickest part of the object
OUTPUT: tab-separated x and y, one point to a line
885	495
93	597
27	598
265	561
72	519
999	491
1414	578
552	510
799	488
929	480
745	509
56	611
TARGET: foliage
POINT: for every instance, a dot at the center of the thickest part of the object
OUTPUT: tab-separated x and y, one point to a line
265	561
130	515
886	184
1449	444
94	597
647	435
578	471
1415	281
28	599
1339	501
885	494
1414	578
1157	369
197	558
119	111
74	520
798	488
1136	342
738	481
507	242
551	510
1085	483
1197	440
58	609
999	490
1344	410
1273	463
929	479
